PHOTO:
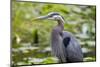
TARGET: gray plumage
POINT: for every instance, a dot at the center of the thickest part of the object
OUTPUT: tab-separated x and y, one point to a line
64	45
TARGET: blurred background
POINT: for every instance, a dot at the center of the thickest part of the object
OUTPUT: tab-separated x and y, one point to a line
31	39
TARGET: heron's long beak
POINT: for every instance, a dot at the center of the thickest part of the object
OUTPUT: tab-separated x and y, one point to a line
41	18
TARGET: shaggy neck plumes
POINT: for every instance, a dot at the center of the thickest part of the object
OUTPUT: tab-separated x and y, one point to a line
56	41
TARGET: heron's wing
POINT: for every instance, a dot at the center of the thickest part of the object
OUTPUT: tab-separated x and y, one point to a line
73	49
66	41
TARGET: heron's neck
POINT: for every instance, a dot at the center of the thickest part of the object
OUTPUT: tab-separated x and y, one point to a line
61	24
57	41
58	29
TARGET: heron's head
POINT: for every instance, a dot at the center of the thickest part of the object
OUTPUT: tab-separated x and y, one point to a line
51	16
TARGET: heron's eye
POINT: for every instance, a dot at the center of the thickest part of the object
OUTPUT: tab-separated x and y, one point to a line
51	16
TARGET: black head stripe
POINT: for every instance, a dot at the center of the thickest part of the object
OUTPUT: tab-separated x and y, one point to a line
53	13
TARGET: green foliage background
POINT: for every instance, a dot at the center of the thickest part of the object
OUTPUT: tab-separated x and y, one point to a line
31	39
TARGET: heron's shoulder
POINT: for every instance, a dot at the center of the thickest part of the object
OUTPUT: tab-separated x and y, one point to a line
67	34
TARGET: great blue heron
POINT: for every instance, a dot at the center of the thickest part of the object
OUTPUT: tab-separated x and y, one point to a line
64	45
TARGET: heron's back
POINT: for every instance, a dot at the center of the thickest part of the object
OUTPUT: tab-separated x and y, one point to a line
72	47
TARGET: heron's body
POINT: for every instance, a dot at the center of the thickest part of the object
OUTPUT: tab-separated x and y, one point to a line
73	48
64	45
67	46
